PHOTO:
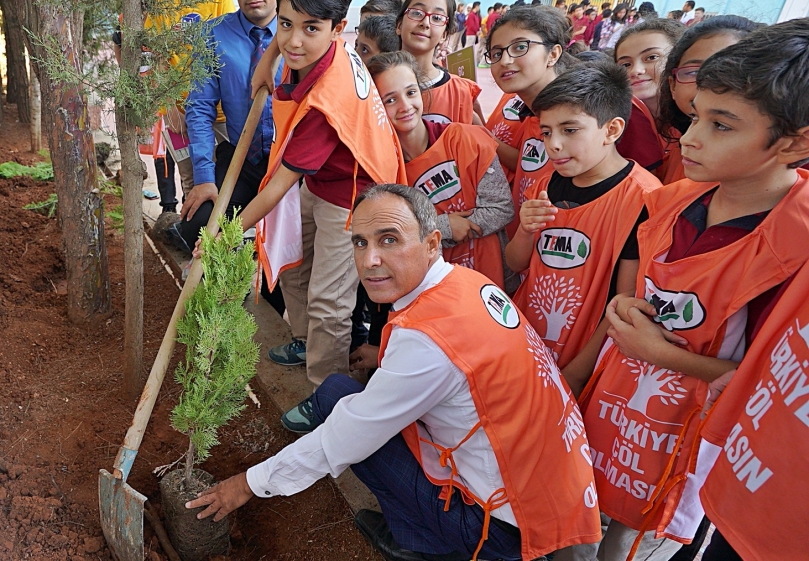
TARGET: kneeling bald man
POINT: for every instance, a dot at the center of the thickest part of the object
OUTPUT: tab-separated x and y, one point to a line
467	434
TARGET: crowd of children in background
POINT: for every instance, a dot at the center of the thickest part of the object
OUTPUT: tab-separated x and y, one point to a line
638	191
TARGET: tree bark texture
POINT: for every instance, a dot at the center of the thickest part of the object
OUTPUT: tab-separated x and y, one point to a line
17	91
132	184
70	141
36	110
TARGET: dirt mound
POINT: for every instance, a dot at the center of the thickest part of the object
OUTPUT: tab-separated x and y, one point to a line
62	417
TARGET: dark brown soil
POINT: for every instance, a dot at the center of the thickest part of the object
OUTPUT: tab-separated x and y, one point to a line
62	417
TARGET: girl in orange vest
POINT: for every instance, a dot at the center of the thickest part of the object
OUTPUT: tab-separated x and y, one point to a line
455	165
712	256
680	86
422	25
642	51
525	48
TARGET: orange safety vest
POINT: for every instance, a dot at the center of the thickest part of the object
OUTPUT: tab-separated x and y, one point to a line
671	169
347	97
533	165
525	409
642	420
565	292
504	122
449	173
452	102
759	429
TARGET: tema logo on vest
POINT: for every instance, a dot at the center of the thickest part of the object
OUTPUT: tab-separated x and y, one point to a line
675	310
362	80
440	182
511	110
436	118
502	310
563	248
533	155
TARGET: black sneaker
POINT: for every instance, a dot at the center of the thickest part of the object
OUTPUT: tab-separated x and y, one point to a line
373	526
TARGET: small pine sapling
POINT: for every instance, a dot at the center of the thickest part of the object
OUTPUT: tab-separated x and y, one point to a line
221	355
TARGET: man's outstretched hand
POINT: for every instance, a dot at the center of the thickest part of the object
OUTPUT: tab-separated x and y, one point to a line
223	498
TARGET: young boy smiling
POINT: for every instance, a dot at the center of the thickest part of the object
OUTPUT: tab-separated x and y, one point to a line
577	230
713	257
329	114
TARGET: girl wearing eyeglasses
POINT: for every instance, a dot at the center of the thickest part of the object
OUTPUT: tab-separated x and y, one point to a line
678	90
526	51
422	25
454	164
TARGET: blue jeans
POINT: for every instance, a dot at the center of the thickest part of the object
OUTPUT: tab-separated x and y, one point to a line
410	501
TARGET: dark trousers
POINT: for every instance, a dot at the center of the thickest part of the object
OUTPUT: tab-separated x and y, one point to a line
244	191
410	502
720	550
690	551
164	169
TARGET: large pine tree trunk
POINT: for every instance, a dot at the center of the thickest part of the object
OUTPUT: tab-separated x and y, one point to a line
132	184
17	65
71	146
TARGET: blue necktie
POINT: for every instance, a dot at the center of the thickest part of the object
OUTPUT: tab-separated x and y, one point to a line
261	38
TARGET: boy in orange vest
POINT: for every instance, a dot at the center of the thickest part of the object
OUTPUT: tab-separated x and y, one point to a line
712	257
577	233
327	113
758	428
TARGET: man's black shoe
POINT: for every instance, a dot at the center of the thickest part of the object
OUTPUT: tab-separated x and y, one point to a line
373	526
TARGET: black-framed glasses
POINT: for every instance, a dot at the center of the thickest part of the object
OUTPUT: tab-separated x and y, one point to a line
685	74
418	15
514	50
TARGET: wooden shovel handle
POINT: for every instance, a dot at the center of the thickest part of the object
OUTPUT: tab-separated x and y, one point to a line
134	436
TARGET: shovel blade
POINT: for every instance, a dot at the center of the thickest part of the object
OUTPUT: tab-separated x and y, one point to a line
121	509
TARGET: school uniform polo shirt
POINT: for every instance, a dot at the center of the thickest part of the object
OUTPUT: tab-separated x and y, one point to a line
315	149
692	236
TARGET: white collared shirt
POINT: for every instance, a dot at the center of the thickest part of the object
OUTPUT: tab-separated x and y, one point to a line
415	381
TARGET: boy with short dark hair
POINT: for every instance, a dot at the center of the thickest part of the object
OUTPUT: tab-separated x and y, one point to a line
576	237
375	35
330	128
713	258
380	8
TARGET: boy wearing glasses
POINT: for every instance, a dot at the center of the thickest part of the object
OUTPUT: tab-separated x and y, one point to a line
714	259
577	233
327	114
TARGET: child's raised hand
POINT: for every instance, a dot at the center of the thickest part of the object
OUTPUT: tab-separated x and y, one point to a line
535	213
462	228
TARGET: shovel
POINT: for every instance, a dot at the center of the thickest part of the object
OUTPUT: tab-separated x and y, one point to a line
120	505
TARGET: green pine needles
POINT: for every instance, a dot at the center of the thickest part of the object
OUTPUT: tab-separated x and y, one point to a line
220	356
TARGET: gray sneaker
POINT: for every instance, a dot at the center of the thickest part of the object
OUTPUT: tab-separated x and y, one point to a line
301	418
291	354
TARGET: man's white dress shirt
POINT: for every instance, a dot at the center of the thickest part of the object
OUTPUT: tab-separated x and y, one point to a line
415	381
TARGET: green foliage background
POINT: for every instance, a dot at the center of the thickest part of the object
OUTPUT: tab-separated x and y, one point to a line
177	56
218	333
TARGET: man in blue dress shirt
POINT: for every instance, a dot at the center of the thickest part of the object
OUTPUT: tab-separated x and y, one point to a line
239	38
